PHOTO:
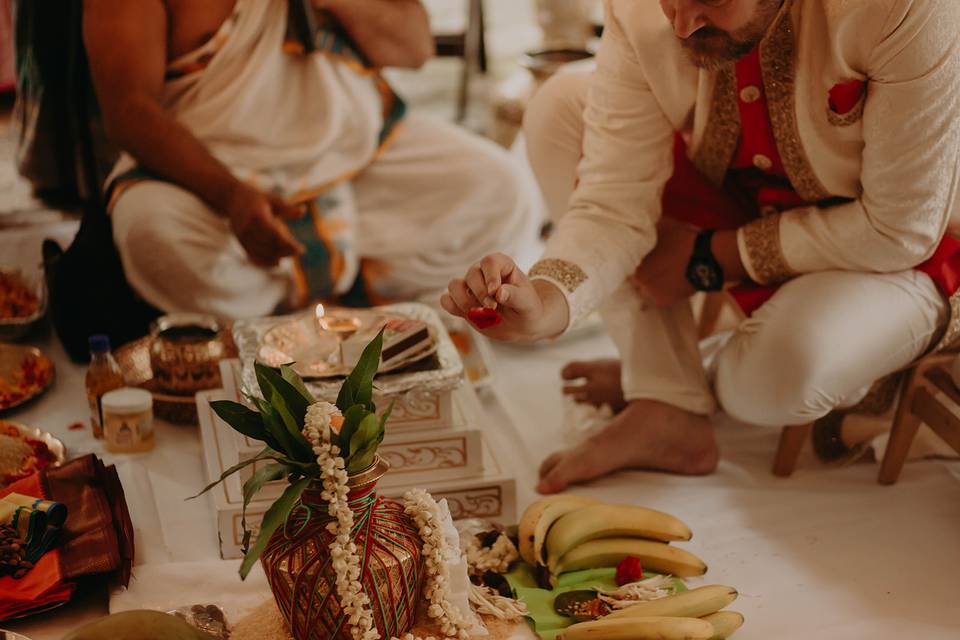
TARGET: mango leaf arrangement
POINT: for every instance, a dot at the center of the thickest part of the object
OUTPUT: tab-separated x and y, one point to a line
278	423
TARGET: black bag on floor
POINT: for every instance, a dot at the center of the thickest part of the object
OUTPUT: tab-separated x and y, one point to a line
88	291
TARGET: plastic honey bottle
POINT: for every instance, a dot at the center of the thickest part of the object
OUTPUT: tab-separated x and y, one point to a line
103	375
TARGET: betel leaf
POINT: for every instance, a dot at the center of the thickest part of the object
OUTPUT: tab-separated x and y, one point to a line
273	519
351	422
289	405
255	482
362	458
366	435
296	382
277	428
244	420
266	453
383	422
273	384
301	448
358	387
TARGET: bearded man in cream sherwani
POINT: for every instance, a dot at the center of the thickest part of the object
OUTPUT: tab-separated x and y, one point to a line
269	163
802	154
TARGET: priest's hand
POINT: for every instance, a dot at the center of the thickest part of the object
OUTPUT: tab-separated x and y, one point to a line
528	310
256	218
661	279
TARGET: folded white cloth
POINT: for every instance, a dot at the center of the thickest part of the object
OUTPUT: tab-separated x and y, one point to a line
459	580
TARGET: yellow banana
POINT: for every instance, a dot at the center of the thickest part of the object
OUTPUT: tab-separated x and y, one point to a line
612	521
608	552
539	516
725	623
653	628
695	603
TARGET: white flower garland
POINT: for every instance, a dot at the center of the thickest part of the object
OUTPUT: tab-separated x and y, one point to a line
418	504
497	558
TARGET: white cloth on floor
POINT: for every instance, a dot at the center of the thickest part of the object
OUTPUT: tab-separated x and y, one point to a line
170	586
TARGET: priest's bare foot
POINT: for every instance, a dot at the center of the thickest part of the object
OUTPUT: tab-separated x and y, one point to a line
600	383
646	435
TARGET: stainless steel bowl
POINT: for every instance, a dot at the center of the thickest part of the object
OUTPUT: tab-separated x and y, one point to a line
13	328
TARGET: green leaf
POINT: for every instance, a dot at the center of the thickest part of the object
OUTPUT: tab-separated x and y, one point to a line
296	382
263	455
244	420
261	477
351	422
383	422
276	427
358	387
366	434
290	406
302	450
363	458
311	469
274	386
273	519
255	482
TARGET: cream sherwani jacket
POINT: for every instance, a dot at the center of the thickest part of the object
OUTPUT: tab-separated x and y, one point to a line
892	161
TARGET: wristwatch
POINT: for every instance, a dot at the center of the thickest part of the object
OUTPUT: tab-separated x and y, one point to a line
703	270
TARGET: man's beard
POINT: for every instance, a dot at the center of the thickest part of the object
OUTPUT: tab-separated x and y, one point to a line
710	48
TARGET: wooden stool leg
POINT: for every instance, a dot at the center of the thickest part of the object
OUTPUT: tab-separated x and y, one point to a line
791	444
902	432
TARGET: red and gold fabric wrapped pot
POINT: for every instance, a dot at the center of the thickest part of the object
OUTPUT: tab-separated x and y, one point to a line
300	571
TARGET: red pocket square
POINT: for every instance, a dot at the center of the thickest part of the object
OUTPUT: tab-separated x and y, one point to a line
846	95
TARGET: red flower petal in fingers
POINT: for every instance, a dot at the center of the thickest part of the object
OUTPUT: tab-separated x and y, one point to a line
483	318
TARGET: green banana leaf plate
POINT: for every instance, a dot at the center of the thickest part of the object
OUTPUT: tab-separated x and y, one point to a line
546	622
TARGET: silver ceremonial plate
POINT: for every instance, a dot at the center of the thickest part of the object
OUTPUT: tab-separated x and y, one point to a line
296	338
311	345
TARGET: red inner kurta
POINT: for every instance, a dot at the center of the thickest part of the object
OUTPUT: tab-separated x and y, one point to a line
757	184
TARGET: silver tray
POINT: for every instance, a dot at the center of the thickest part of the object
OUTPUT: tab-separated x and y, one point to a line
446	376
315	352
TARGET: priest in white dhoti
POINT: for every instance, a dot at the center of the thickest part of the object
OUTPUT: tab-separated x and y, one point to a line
266	168
801	155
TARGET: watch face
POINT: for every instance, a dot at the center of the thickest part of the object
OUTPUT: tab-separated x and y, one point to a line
704	276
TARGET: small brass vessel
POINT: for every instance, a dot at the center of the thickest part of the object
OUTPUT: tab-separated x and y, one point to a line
185	353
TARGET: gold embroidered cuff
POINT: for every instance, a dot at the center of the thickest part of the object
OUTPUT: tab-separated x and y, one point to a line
566	274
761	252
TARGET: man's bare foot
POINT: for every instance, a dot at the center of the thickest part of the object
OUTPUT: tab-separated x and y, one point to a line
600	383
646	435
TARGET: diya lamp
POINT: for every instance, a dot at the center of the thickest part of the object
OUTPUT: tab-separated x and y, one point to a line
339	324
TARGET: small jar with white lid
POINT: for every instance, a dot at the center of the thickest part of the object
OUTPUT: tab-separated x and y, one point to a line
128	420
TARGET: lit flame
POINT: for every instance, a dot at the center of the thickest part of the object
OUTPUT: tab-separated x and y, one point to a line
320	311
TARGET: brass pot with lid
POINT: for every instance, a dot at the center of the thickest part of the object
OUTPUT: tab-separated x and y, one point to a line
185	353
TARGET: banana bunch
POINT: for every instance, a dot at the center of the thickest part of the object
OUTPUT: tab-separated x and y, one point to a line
690	615
568	533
